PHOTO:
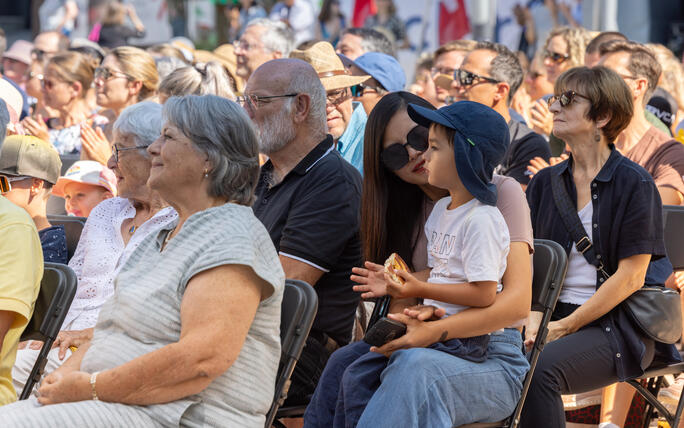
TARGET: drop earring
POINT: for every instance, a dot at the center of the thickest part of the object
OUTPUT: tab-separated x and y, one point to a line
597	135
206	173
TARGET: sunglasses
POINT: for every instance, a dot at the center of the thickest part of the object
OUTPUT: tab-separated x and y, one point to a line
396	156
466	78
555	56
6	182
105	74
566	98
357	90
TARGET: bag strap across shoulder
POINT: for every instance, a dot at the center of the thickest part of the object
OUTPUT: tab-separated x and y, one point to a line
573	224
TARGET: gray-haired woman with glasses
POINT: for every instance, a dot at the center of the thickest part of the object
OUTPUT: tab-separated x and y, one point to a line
114	229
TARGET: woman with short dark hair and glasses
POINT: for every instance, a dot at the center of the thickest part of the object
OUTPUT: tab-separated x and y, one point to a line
396	202
591	341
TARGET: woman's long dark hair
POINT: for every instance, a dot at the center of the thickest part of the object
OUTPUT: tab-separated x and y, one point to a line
390	207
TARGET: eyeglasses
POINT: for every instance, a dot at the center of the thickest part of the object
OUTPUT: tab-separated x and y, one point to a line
33	74
117	150
556	57
106	74
243	45
358	90
6	182
41	54
566	98
396	156
442	70
255	102
337	96
466	78
49	84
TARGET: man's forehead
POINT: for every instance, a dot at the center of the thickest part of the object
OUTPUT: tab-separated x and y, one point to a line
253	33
616	60
479	58
266	80
452	58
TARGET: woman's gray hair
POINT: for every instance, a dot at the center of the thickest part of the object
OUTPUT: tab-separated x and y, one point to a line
167	65
142	120
220	129
277	37
199	79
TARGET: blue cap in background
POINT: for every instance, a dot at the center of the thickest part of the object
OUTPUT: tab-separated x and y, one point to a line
383	68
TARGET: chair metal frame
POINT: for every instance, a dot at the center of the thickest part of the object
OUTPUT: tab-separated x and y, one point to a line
673	225
299	307
57	290
550	267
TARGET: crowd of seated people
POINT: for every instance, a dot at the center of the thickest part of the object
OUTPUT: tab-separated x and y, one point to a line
205	179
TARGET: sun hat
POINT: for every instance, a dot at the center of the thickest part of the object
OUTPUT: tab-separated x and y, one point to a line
329	66
20	51
383	68
480	142
88	172
25	155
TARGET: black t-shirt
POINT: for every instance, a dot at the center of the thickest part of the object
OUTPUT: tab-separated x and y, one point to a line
313	215
54	244
525	145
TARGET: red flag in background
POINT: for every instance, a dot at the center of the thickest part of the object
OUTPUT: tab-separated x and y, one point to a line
453	20
362	10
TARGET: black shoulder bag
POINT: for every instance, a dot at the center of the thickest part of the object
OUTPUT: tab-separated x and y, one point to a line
655	310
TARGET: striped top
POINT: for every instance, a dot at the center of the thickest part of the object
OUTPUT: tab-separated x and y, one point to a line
143	314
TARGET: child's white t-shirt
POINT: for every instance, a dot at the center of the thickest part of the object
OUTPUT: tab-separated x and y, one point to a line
467	244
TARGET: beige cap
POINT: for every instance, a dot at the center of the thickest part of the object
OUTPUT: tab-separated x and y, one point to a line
25	155
329	66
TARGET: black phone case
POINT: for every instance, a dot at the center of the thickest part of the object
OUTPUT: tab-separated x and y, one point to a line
383	331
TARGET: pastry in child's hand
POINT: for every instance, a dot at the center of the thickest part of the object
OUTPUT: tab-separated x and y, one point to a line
395	262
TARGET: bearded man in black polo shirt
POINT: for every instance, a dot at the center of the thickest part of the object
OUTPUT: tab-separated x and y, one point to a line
308	197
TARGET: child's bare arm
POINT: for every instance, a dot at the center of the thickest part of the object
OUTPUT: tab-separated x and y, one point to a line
476	294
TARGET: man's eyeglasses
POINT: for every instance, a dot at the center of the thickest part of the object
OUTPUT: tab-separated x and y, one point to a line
396	156
255	102
556	57
40	54
566	98
105	74
337	96
466	78
442	70
6	182
245	46
116	150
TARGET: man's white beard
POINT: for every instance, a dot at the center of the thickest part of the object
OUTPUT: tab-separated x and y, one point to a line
275	132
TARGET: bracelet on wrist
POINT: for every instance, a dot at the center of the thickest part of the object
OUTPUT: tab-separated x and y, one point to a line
93	381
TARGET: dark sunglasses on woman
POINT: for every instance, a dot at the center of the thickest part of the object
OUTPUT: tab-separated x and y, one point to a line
566	98
396	156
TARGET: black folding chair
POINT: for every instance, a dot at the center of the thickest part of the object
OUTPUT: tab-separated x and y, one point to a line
57	290
550	267
73	226
654	376
299	307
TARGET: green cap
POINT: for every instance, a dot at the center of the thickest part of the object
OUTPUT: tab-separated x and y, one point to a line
25	155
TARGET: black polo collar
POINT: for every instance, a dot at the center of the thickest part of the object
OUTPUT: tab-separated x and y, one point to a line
314	156
607	171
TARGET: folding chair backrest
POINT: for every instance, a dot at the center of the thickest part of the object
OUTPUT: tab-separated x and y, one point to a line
73	226
550	267
673	223
298	311
57	290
